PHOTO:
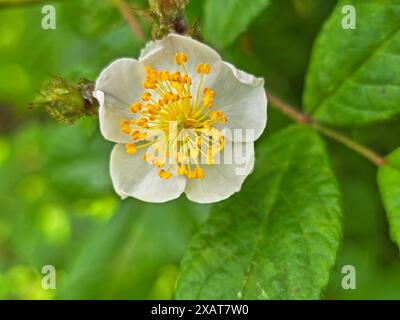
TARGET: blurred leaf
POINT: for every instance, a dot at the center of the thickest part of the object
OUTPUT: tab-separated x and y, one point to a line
99	17
24	283
389	183
57	202
279	49
4	150
11	3
54	224
225	20
366	244
278	238
80	167
89	35
135	252
354	74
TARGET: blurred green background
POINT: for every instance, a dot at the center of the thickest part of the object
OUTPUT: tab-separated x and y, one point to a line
57	205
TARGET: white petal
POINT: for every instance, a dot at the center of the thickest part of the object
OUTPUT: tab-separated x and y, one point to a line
133	177
223	180
123	79
111	113
242	98
118	86
160	55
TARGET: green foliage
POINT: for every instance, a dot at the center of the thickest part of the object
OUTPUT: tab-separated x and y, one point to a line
88	35
366	244
278	238
60	209
10	3
133	252
361	63
281	236
389	182
225	20
282	60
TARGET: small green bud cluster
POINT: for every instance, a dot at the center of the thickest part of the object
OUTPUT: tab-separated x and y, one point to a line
66	101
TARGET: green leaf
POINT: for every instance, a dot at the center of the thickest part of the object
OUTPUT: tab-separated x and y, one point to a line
354	75
131	251
276	239
389	184
225	20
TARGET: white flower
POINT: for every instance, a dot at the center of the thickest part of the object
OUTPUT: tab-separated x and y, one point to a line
182	81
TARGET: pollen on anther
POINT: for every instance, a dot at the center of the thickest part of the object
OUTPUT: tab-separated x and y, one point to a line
163	174
146	96
169	96
182	170
130	148
125	127
204	68
180	58
136	107
218	116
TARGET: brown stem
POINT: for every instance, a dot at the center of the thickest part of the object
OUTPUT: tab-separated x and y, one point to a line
126	12
304	119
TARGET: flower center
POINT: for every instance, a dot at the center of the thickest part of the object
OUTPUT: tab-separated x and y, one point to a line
175	123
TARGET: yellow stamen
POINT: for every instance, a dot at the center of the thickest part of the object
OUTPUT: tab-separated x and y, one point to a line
125	127
199	173
130	148
136	107
204	68
218	116
168	97
182	170
146	96
164	174
137	135
159	163
149	85
142	122
180	58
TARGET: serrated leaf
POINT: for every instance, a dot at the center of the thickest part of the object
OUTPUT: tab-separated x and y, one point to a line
225	20
389	185
277	239
354	74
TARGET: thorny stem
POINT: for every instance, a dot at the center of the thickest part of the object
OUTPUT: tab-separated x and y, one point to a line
304	119
133	23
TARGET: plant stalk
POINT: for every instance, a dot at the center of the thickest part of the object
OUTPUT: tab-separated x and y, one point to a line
129	17
304	119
